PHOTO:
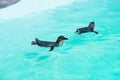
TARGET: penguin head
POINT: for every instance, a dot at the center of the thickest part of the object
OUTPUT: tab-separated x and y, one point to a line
92	26
60	39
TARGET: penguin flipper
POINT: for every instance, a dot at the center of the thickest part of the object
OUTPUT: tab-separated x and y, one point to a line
51	48
96	32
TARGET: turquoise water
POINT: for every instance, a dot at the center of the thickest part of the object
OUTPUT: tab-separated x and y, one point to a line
82	57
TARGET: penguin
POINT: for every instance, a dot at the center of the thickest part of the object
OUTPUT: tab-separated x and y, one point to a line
90	28
50	44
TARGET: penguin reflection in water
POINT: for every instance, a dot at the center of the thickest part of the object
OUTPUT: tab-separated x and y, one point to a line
41	43
90	28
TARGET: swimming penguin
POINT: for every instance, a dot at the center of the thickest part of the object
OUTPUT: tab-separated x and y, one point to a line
48	43
90	28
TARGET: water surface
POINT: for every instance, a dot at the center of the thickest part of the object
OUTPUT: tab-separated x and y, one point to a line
82	57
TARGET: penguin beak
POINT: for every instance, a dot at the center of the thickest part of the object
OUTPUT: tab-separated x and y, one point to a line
65	38
75	31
